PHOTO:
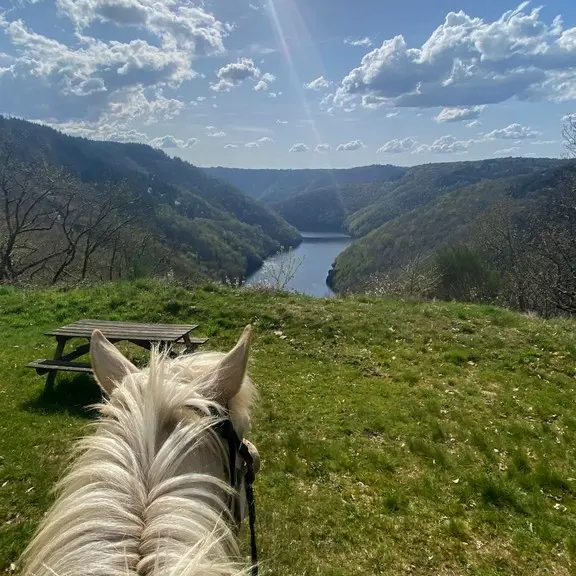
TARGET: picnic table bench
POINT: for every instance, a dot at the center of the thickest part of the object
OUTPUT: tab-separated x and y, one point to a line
144	335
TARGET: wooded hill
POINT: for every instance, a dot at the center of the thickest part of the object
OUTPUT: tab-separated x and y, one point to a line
75	208
396	214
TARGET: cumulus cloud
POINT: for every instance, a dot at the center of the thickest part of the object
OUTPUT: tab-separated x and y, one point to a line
264	82
236	73
323	148
458	114
398	146
214	132
177	24
252	145
468	62
99	86
230	146
169	141
299	147
265	140
319	84
513	132
359	41
350	146
392	114
445	145
282	122
473	124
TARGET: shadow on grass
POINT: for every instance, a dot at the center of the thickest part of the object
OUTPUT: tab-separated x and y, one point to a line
72	395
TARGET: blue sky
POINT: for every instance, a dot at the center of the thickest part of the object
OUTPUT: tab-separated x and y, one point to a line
296	83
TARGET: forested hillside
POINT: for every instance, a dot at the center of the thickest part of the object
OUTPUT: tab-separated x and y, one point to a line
107	209
273	186
402	218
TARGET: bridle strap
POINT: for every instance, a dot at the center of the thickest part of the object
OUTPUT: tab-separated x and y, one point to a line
235	445
252	519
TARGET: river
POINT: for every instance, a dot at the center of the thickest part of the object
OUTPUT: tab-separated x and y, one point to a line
315	257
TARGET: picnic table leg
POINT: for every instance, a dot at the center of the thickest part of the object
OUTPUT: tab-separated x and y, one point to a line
190	347
51	378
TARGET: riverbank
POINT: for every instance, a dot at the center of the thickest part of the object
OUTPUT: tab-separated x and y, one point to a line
309	264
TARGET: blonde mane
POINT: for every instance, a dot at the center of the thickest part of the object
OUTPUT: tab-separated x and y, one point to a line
148	492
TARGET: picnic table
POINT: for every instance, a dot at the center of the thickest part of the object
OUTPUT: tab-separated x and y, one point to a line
144	335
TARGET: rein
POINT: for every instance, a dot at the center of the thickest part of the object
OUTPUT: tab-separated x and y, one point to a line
236	446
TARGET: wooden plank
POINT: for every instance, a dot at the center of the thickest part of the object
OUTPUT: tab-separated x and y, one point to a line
138	325
52	365
125	330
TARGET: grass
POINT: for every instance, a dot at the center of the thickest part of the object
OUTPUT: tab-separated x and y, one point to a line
397	437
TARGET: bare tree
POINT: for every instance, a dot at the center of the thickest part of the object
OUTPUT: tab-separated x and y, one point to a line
279	272
418	277
504	238
92	220
28	194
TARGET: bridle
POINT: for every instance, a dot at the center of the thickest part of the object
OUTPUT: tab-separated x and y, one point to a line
236	446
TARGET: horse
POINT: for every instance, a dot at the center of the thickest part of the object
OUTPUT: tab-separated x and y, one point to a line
158	489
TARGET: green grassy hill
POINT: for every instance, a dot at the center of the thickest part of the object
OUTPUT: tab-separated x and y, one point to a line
396	437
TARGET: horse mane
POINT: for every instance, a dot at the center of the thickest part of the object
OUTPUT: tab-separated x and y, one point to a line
122	509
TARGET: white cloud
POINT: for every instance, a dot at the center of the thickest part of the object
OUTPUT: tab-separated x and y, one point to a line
468	62
178	25
350	146
236	73
282	122
359	41
473	124
507	151
265	140
445	145
264	82
323	148
513	132
398	146
99	87
319	84
299	147
569	117
392	114
458	114
167	141
544	143
213	132
191	142
230	146
371	101
252	145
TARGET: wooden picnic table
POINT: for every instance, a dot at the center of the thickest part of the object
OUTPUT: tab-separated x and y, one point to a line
144	335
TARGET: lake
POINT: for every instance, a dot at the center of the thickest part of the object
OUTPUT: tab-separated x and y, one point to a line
316	255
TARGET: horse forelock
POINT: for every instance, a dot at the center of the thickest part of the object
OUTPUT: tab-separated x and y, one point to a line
125	505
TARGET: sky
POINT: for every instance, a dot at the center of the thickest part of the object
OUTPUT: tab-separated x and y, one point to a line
296	83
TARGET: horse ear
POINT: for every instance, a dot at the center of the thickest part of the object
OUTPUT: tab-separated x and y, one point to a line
231	370
109	365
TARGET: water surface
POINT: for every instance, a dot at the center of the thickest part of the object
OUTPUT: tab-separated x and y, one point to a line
315	256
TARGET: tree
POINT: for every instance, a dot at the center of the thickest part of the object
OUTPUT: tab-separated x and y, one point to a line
28	212
465	275
278	273
91	219
503	237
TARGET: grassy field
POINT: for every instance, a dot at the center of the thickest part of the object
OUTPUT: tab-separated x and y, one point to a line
397	438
